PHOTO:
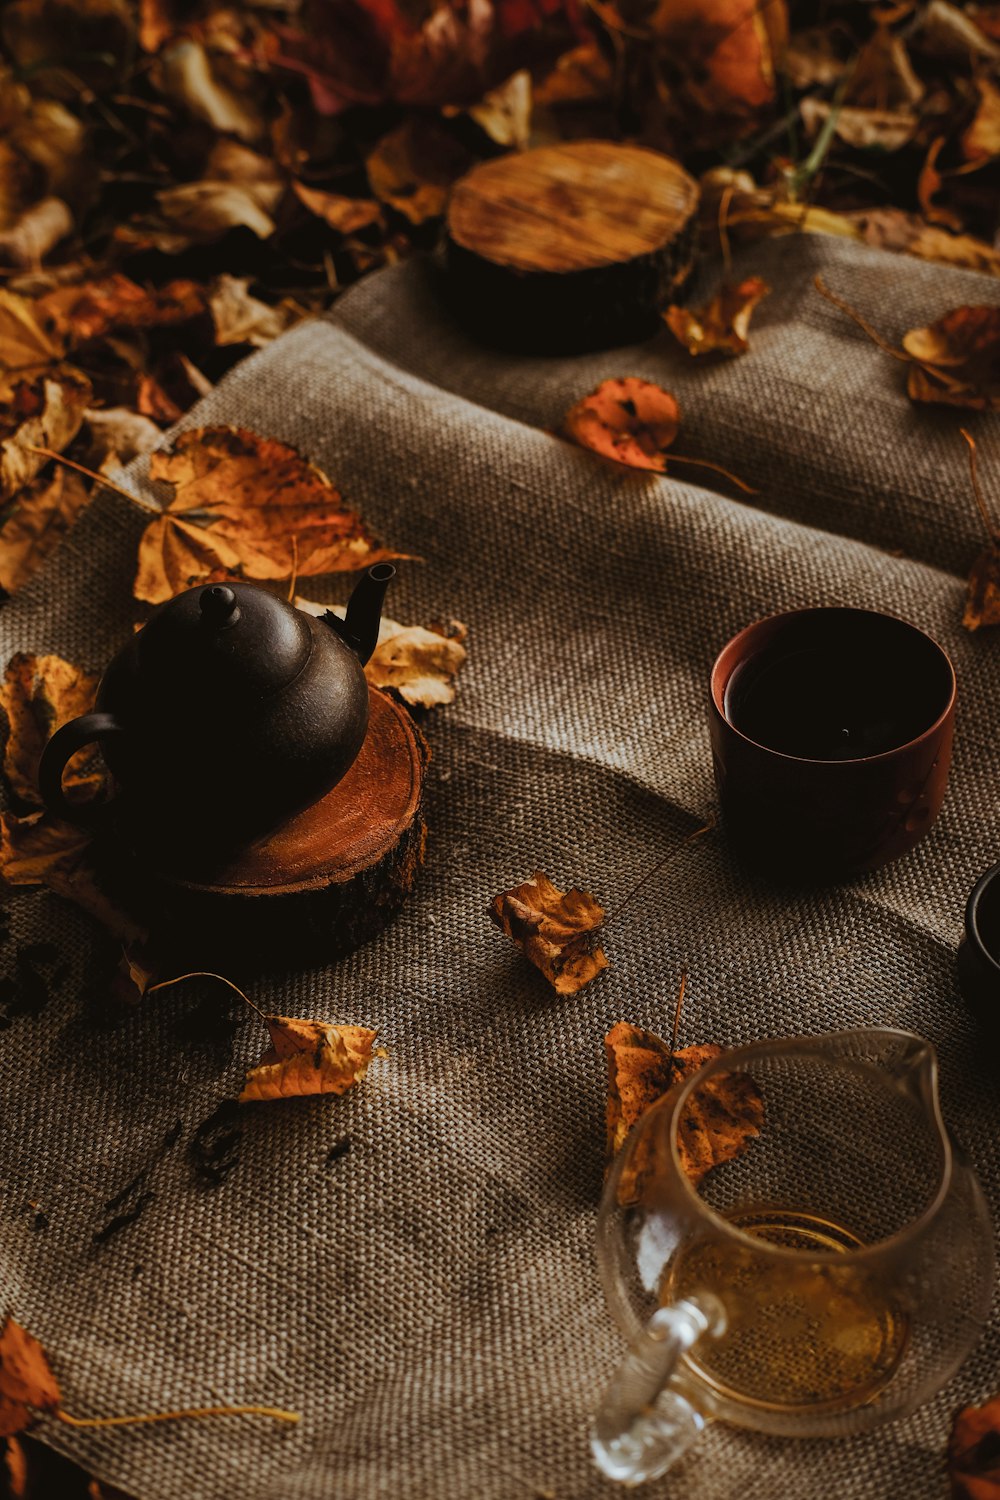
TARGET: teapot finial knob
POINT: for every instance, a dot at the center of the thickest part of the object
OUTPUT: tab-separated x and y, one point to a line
218	605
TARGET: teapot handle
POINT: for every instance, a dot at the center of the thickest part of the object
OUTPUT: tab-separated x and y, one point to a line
643	1426
61	747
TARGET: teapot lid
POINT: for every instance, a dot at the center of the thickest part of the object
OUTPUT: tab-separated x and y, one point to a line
230	641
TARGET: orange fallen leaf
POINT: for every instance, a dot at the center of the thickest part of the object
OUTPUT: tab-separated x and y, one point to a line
27	1385
239	501
38	695
974	1452
718	1121
16	1464
981	140
345	215
34	522
92	309
308	1057
24	344
557	930
633	422
629	420
722	325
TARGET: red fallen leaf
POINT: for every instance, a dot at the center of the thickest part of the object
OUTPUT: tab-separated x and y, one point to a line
633	422
722	325
974	1452
27	1385
556	930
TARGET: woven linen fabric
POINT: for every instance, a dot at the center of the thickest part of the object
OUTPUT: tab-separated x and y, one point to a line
427	1295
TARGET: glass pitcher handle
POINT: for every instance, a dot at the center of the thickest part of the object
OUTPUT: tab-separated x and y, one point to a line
642	1427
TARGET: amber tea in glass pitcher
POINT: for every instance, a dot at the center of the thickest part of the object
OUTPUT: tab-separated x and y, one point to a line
830	1277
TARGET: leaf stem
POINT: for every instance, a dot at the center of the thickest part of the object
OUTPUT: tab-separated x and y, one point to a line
991	530
144	1418
92	474
164	984
862	323
704	463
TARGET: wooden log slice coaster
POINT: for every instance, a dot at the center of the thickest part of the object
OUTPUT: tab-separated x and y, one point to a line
325	882
570	247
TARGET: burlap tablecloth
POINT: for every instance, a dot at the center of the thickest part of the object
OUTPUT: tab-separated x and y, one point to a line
428	1298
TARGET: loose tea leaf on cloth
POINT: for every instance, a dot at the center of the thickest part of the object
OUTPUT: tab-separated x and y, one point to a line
557	930
718	1122
308	1057
974	1452
246	506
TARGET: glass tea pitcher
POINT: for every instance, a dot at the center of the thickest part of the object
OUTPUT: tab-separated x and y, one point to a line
830	1276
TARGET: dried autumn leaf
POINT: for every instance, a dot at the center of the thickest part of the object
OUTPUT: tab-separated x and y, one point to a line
46	412
417	662
345	215
982	599
38	695
114	303
24	344
974	1452
239	501
37	231
865	129
27	1385
504	113
718	1121
413	167
16	1464
34	523
722	325
957	359
240	188
118	435
308	1057
41	850
185	74
557	930
981	141
629	420
242	319
929	184
723	50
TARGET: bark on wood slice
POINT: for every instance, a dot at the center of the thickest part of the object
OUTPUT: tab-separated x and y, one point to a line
570	247
324	883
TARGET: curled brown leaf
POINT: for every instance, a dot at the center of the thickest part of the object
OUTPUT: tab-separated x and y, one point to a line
557	930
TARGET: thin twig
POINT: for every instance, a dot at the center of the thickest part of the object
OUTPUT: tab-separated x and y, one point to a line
862	323
991	531
164	984
677	1023
727	257
648	875
93	474
295	569
144	1418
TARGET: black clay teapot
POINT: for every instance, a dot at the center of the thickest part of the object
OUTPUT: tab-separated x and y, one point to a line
229	712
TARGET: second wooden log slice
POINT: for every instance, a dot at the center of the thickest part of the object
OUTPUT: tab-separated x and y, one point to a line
570	247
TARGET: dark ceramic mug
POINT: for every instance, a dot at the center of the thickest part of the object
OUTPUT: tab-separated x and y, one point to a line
831	735
979	954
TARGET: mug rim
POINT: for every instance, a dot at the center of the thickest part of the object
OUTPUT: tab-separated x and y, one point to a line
733	1058
718	688
972	917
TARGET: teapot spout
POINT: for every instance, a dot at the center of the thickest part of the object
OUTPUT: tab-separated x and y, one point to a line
364	611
